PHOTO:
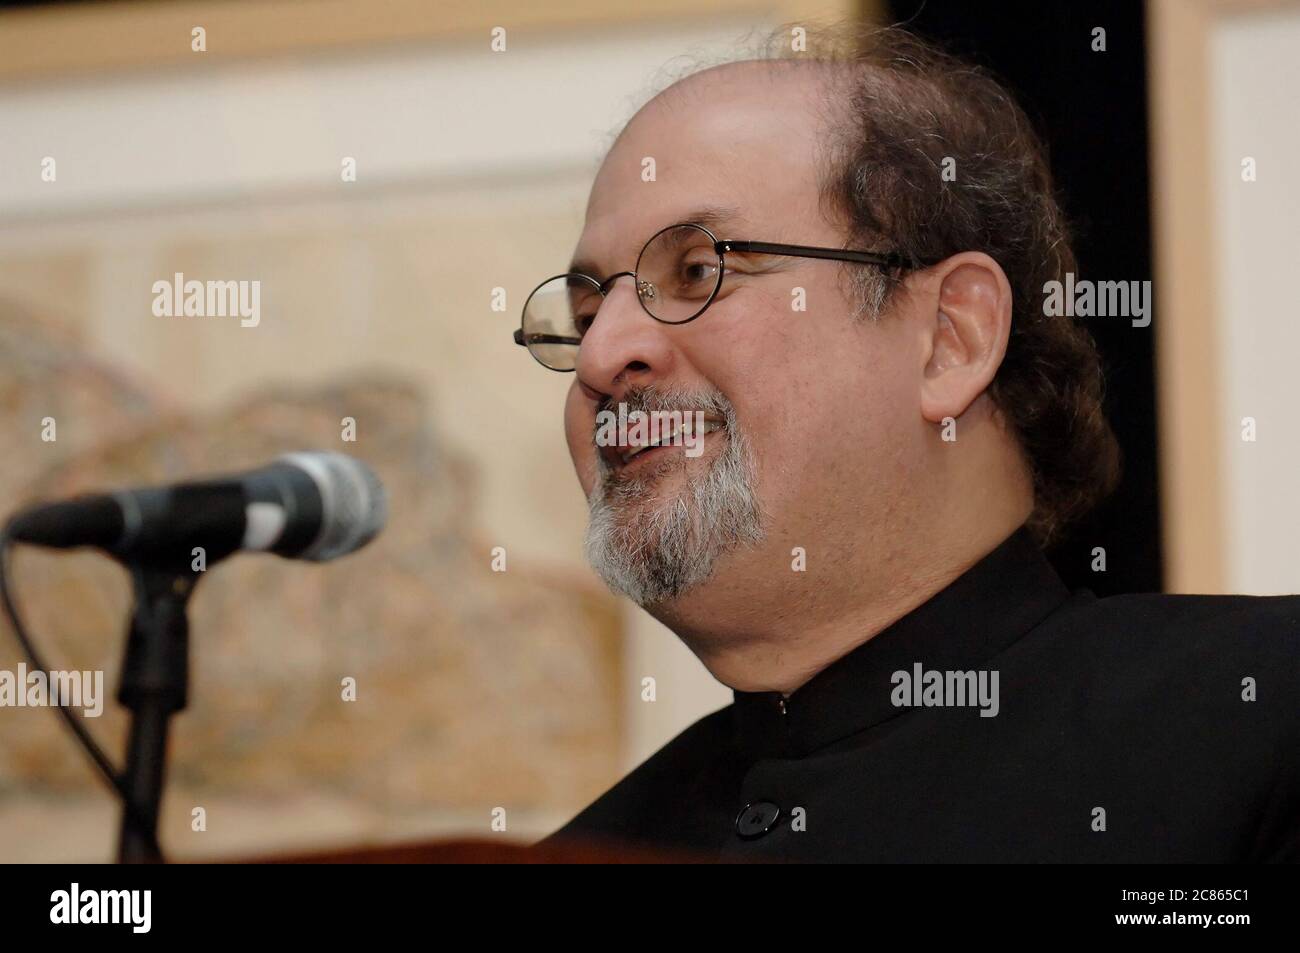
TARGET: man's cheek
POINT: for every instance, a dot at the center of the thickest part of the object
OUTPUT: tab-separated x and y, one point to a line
575	420
581	452
579	444
584	465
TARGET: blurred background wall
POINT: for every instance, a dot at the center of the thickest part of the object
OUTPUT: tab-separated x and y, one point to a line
522	689
471	174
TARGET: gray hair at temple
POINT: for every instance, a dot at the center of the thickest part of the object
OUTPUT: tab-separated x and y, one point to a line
899	110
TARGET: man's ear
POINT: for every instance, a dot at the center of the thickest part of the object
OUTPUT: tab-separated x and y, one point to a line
967	333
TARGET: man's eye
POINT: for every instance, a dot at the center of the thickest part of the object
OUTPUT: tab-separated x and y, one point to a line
700	271
583	323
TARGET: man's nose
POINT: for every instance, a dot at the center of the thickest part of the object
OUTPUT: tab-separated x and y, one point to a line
624	346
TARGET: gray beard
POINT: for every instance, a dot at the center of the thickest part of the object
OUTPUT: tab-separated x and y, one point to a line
655	552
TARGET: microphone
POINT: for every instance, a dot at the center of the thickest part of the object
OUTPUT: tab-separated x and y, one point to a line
312	505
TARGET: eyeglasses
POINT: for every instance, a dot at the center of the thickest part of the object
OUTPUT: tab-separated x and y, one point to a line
678	275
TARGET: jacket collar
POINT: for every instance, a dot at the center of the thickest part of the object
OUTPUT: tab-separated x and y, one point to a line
986	609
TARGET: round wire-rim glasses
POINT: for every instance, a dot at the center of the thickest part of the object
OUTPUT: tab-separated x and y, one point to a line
552	333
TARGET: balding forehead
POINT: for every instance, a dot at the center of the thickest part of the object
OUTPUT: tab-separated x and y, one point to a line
805	76
726	136
756	78
783	91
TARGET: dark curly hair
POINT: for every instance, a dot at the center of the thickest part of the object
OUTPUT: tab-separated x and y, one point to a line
900	110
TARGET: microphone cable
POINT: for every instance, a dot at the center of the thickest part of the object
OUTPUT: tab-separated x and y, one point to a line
84	738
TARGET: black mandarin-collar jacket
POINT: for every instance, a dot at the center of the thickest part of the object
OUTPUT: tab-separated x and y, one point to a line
1123	733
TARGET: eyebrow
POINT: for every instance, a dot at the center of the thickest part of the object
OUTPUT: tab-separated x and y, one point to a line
713	217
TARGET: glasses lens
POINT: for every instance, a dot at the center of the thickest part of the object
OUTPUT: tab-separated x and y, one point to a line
556	316
678	273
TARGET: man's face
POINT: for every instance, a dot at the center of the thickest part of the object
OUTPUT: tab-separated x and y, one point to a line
812	408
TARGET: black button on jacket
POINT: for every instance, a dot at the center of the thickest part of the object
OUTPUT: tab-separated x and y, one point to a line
1134	728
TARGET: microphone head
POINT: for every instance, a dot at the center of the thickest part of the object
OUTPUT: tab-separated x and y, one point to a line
354	505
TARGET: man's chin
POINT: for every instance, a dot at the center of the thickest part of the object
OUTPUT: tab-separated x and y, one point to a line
644	550
658	528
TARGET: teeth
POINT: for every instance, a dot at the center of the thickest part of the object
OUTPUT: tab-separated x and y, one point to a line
688	427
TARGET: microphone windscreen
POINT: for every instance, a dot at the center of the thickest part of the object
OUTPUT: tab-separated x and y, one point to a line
354	505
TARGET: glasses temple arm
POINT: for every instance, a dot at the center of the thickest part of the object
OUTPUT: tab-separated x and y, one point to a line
543	339
810	251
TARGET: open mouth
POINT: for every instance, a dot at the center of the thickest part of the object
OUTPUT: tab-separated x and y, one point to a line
681	436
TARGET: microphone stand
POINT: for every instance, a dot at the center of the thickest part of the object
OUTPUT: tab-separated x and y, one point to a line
154	686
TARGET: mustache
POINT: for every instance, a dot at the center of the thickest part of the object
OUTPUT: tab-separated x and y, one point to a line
659	398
